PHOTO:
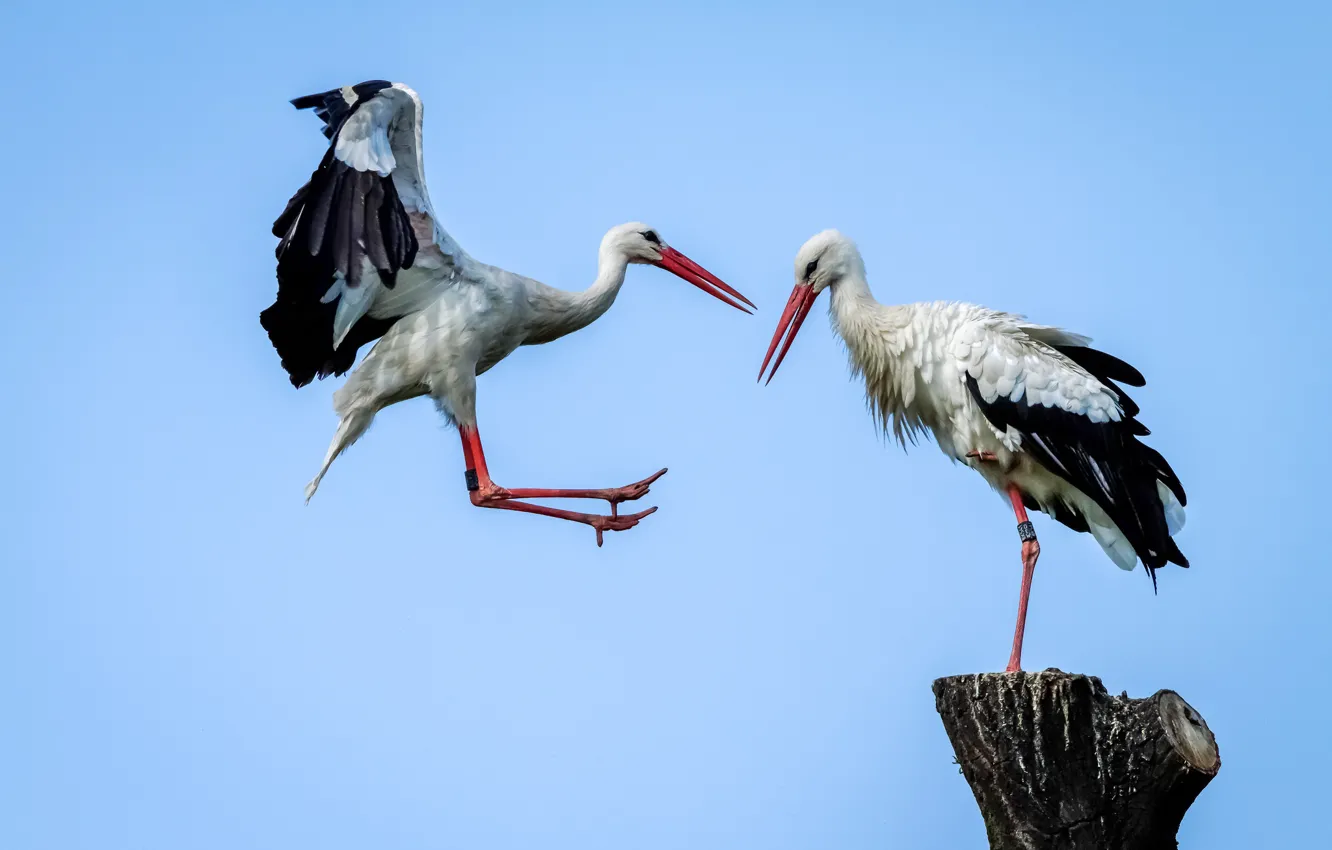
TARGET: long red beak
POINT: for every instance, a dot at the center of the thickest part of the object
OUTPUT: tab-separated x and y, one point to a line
797	308
686	269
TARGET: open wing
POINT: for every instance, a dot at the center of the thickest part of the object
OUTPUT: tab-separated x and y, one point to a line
1059	398
346	235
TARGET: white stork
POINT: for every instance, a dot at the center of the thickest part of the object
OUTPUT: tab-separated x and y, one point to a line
363	257
1033	409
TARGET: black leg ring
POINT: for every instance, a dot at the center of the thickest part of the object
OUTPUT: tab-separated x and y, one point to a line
1026	531
474	483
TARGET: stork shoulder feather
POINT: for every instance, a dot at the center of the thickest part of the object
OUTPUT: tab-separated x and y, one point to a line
1012	359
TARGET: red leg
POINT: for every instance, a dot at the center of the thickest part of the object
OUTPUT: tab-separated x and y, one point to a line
1031	550
485	493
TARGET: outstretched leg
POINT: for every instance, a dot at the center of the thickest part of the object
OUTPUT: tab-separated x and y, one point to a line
485	493
1031	550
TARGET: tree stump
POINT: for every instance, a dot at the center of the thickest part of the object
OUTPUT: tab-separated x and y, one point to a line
1056	762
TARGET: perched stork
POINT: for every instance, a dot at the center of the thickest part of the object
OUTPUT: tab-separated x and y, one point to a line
363	257
1033	409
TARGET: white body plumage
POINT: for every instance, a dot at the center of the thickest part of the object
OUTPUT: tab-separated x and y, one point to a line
460	327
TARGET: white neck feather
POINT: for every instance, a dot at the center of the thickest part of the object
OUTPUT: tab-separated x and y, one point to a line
877	340
868	328
562	312
851	302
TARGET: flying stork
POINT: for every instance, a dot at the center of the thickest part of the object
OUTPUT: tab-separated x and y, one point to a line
362	257
1034	409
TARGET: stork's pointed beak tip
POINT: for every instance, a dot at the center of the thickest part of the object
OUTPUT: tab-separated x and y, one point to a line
797	308
686	269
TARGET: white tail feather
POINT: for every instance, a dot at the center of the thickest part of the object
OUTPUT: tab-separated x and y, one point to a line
1116	545
350	429
1174	511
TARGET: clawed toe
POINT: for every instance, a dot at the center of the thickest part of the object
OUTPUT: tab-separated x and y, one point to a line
630	492
618	523
637	490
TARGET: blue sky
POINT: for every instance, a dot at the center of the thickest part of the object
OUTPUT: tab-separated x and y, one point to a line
196	659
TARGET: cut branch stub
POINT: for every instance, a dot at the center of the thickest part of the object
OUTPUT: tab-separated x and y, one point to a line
1056	762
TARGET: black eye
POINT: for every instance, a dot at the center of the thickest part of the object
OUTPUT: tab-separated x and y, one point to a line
651	236
809	269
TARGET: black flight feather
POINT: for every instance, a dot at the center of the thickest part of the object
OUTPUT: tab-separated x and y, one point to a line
331	106
1102	365
374	236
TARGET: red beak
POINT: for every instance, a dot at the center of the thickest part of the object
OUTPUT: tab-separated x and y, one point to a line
797	308
686	269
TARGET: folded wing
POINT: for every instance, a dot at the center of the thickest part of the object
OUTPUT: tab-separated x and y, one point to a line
1059	396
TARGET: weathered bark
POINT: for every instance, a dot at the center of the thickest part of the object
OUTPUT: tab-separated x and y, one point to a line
1056	762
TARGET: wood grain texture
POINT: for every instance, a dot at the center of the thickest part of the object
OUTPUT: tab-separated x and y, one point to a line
1056	762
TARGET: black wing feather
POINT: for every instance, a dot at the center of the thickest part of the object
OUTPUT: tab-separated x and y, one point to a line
1059	513
282	227
1102	365
331	106
374	235
343	236
323	203
338	217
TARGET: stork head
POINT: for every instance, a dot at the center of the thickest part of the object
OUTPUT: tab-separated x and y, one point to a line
636	242
821	262
825	259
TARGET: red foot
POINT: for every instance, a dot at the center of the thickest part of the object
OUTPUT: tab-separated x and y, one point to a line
491	495
614	495
630	492
617	523
982	456
488	494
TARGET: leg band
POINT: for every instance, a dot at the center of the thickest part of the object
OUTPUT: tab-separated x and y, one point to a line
1026	531
473	483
